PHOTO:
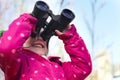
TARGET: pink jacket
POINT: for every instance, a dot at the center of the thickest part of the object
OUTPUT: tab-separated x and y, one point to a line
20	64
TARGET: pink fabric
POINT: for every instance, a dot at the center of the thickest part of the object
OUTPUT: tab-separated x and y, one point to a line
20	64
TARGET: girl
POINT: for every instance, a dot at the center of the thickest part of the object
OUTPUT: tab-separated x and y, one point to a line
24	58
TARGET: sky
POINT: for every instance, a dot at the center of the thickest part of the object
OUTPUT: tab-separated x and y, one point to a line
107	25
108	28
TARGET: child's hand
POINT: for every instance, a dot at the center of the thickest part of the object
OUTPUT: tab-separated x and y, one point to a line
60	33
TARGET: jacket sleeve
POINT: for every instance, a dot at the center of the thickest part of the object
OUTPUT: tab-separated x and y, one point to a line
12	40
80	65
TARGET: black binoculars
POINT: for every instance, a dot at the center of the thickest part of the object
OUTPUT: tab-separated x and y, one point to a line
48	22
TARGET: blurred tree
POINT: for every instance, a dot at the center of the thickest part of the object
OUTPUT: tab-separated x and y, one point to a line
91	25
4	5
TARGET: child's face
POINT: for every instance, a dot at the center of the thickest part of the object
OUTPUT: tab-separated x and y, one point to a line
38	45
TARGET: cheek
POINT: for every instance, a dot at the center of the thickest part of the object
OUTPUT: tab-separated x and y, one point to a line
26	44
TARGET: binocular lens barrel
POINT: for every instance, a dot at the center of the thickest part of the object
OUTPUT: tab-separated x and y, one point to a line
66	16
40	9
42	6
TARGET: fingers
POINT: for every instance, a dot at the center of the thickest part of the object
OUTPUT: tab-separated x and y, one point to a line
58	32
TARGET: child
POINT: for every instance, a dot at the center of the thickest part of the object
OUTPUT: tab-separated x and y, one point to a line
24	58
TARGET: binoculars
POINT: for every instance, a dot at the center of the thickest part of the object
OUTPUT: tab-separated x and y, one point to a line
48	22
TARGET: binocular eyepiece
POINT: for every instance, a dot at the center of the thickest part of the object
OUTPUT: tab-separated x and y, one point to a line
46	29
